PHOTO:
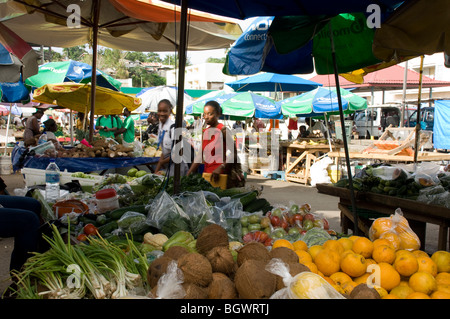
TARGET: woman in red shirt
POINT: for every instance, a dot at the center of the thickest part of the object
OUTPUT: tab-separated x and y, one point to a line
216	154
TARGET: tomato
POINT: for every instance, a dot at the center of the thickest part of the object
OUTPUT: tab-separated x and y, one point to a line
308	217
294	209
277	212
248	237
275	220
326	225
298	217
305	208
90	229
268	242
284	224
261	236
82	237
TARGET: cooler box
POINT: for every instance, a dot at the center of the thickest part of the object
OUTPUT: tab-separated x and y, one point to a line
34	176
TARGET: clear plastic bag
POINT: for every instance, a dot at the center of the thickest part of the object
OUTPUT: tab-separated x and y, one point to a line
305	285
435	195
170	284
132	222
396	229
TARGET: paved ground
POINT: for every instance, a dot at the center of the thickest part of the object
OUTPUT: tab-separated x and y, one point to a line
275	191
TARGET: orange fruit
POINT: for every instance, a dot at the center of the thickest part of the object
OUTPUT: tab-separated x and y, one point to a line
380	226
300	245
443	288
340	277
404	283
443	278
329	280
381	241
314	250
393	238
423	282
282	243
383	253
333	244
363	246
303	256
370	261
348	286
346	252
409	240
347	243
402	291
427	264
361	279
389	296
353	238
389	277
420	253
353	265
442	260
328	261
312	267
440	295
406	264
417	295
381	291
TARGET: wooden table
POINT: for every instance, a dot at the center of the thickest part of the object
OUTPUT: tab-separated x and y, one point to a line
421	157
300	157
417	213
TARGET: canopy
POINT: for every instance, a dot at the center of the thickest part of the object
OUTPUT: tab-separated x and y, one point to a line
152	96
273	82
243	105
320	101
200	103
70	71
76	96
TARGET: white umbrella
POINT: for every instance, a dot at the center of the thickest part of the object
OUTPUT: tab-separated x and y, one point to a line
151	96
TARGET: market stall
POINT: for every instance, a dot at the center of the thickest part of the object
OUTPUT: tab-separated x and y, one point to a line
302	154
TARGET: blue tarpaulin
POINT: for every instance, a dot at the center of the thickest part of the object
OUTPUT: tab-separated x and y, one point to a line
441	130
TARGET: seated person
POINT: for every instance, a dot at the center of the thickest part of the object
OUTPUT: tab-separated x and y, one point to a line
302	132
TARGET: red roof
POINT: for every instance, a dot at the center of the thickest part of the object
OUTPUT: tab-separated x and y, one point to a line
391	78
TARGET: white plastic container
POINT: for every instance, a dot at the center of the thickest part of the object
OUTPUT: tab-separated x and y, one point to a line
107	200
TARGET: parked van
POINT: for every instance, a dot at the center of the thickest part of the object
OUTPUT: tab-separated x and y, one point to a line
426	117
373	120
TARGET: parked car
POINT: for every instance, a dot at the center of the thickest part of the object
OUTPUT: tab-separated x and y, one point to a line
426	118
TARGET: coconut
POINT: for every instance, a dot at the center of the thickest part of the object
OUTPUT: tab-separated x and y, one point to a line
253	281
195	292
253	250
221	287
196	269
176	252
294	269
211	236
221	260
156	269
362	291
285	254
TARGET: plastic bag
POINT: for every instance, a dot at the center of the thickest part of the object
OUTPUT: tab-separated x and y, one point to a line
170	284
132	222
388	173
434	195
305	285
396	229
319	173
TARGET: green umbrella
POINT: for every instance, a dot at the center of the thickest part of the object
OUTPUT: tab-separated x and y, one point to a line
321	101
70	71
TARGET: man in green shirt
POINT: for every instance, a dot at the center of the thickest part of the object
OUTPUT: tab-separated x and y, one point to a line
106	125
127	128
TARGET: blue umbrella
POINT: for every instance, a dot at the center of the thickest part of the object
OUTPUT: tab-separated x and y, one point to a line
15	92
273	82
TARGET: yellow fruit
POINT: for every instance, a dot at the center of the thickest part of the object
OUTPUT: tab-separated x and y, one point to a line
381	291
389	277
314	250
406	264
300	245
347	243
442	260
303	256
348	287
401	291
312	267
443	278
362	279
353	238
370	261
404	283
417	295
383	253
381	241
333	244
353	265
440	295
393	239
420	253
363	246
340	277
427	264
380	226
423	282
409	240
328	261
443	288
282	243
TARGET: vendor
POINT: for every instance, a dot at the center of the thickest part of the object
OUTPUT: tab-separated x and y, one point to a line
302	132
166	137
32	127
106	125
80	121
153	123
127	128
318	128
214	139
50	127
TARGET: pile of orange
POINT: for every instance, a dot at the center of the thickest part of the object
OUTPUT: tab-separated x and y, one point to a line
399	273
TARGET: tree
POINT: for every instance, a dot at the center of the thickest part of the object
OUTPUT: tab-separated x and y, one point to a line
216	60
142	78
75	53
170	59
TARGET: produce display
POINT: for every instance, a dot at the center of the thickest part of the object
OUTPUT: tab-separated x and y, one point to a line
226	244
